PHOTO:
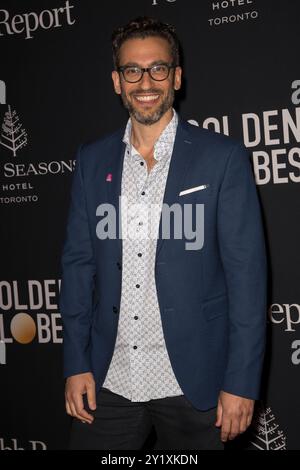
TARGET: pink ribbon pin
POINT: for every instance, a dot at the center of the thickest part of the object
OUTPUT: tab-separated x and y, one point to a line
109	177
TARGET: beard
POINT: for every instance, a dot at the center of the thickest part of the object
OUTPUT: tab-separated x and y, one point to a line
148	117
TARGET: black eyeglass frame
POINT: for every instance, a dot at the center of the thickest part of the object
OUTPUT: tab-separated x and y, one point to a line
146	69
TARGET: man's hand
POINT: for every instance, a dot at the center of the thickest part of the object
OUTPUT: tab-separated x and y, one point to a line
234	414
76	386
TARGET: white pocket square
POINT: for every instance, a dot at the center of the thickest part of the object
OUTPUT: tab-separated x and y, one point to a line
192	190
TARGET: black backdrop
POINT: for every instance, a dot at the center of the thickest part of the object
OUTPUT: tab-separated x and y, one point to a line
241	77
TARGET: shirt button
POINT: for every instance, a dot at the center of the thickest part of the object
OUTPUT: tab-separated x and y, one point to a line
137	286
143	193
140	254
140	223
141	163
136	317
134	347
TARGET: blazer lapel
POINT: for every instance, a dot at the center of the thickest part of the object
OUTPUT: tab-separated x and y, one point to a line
114	171
180	161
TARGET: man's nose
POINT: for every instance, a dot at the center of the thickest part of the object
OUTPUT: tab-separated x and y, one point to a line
146	81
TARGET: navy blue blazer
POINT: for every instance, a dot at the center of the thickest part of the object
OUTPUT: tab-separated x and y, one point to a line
212	301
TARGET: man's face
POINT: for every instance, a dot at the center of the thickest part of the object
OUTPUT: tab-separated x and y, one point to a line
147	100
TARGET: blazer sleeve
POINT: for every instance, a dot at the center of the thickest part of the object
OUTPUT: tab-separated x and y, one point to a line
242	248
78	274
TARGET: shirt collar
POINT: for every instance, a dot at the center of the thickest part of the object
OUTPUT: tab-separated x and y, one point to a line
167	136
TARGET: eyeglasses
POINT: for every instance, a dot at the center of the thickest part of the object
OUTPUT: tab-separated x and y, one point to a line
133	74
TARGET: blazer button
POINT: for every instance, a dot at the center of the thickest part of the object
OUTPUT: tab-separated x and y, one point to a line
119	265
115	309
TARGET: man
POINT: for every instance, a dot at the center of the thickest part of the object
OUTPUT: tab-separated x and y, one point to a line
158	333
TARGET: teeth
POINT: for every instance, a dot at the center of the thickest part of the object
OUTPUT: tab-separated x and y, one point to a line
147	98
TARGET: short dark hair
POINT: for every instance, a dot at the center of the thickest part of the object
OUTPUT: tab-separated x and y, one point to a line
143	27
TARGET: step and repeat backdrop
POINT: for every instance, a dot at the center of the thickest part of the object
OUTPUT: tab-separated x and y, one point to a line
241	78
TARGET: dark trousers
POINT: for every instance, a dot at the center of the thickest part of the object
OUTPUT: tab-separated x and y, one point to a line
120	424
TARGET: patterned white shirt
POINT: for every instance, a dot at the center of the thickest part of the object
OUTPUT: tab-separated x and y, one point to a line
140	369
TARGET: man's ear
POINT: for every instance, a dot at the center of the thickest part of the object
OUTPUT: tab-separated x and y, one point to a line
177	78
116	81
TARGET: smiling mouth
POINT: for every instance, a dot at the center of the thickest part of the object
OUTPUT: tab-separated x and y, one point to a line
146	98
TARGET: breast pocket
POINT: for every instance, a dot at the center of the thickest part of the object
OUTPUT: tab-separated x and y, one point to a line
192	194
